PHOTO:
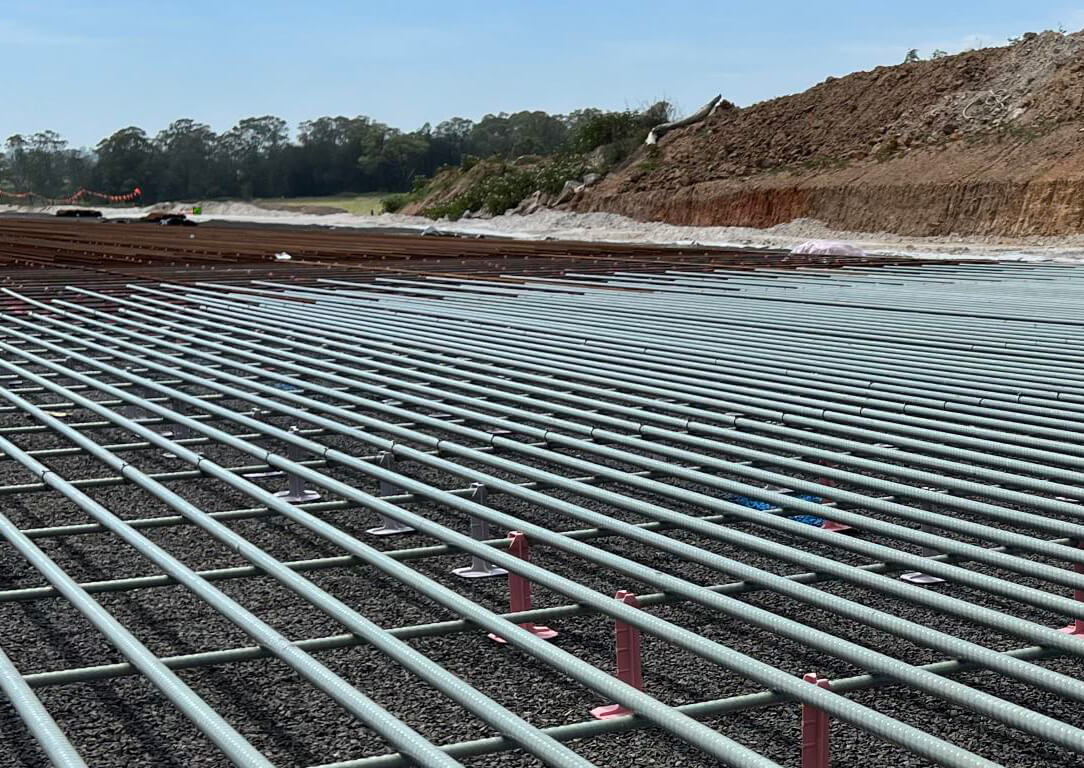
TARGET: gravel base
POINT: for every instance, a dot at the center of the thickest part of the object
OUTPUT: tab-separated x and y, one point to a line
126	722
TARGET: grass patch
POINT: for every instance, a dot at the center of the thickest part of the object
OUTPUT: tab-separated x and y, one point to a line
359	205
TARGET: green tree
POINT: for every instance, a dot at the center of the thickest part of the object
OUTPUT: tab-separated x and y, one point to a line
44	164
188	167
331	155
125	160
252	152
327	157
16	166
521	133
401	157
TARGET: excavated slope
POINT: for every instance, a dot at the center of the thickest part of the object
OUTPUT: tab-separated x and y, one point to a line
987	142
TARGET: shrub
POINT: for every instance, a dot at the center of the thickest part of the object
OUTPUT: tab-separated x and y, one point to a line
616	135
597	142
396	202
505	186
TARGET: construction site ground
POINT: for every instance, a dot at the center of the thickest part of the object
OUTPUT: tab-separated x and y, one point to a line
616	228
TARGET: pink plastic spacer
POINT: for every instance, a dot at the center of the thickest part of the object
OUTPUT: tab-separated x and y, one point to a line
831	525
519	590
629	660
815	729
1077	627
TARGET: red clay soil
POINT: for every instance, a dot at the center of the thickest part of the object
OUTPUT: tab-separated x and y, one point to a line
988	142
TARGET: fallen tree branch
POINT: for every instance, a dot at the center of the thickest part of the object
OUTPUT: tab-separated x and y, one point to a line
705	111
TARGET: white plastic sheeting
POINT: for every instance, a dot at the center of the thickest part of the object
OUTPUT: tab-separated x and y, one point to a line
829	248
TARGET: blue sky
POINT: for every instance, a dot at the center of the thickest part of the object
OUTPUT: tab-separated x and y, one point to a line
86	68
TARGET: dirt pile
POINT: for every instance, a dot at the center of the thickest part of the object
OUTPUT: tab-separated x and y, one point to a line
985	142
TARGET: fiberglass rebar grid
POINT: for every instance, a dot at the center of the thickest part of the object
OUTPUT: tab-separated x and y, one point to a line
869	474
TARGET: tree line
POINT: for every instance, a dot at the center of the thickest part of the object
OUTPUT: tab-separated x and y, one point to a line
257	158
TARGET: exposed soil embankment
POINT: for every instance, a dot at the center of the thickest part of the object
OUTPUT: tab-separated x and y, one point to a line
966	208
989	142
